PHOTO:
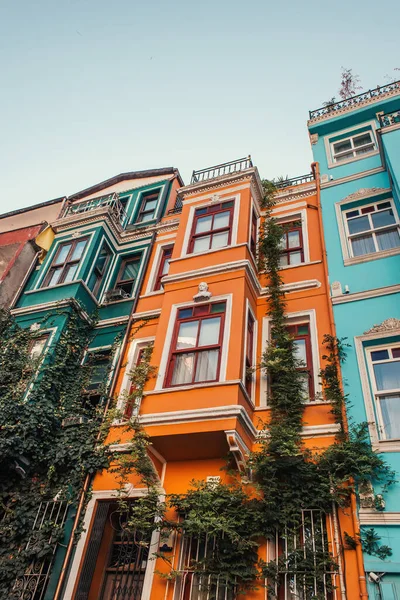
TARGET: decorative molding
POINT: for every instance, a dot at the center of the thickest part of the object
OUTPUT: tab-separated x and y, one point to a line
384	291
313	138
374	517
215	199
365	193
238	449
203	294
386	326
26	310
355	260
250	175
359	175
296	192
297	286
336	289
308	431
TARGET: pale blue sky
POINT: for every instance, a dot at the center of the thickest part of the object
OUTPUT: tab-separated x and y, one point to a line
92	88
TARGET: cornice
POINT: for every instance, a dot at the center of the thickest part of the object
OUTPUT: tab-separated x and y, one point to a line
26	310
297	286
374	517
365	193
353	177
374	293
223	181
301	191
309	431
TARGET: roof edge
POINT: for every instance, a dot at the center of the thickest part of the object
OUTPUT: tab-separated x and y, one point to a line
32	207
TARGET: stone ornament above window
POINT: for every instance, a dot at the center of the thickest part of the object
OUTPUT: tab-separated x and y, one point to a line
215	198
313	138
387	325
365	193
203	293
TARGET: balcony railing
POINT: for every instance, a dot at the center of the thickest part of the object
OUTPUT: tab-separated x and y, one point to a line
111	201
330	109
228	168
389	118
177	208
284	183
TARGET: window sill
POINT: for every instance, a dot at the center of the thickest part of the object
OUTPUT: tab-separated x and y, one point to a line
306	404
303	264
386	445
355	260
332	165
193	386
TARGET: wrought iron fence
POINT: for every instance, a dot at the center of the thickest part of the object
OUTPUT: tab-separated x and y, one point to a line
33	584
227	168
177	208
390	118
111	200
283	183
330	109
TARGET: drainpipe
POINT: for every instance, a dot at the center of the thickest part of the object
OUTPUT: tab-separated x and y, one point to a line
68	554
356	525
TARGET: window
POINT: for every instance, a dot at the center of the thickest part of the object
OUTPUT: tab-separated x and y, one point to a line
147	207
302	341
127	275
99	363
353	146
249	352
99	269
132	403
37	346
196	345
253	236
66	262
291	245
212	227
164	267
385	364
372	228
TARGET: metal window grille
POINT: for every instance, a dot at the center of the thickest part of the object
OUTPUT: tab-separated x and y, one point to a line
293	553
192	586
33	584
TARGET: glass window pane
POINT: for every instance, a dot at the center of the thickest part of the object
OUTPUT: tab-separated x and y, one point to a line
221	220
185	313
341	146
383	205
294	239
388	239
209	331
150	205
92	280
165	268
218	307
282	243
383	217
396	352
207	363
203	224
38	347
144	217
220	240
62	254
365	150
187	335
390	409
78	250
379	355
359	224
367	209
361	140
295	258
305	385
130	270
363	245
201	244
300	350
55	277
352	213
183	369
387	375
70	273
344	156
283	260
302	329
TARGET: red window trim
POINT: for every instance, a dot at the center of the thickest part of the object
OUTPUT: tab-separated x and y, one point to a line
146	196
67	262
197	349
293	330
249	352
212	210
253	236
166	253
288	228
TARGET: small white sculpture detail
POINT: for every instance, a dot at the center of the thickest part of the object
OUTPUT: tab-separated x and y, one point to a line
35	327
203	293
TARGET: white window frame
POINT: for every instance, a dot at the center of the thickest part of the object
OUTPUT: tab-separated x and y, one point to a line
136	346
235	223
369	126
373	230
291	217
341	210
150	291
254	209
367	382
255	336
164	363
295	318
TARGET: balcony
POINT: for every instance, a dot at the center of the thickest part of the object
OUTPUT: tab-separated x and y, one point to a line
110	203
391	118
330	109
284	183
227	168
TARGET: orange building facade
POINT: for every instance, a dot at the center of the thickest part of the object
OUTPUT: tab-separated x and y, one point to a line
203	307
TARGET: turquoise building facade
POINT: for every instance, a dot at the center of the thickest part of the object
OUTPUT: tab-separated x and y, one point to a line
95	265
356	143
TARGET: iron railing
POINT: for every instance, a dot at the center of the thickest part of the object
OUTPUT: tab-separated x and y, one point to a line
235	166
330	109
177	208
283	183
111	201
390	118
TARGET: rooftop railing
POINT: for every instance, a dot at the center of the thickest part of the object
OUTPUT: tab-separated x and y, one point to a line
390	118
283	183
330	109
227	168
111	201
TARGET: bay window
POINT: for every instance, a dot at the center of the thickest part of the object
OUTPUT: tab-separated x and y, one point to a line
212	227
385	375
372	228
195	353
66	261
99	269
